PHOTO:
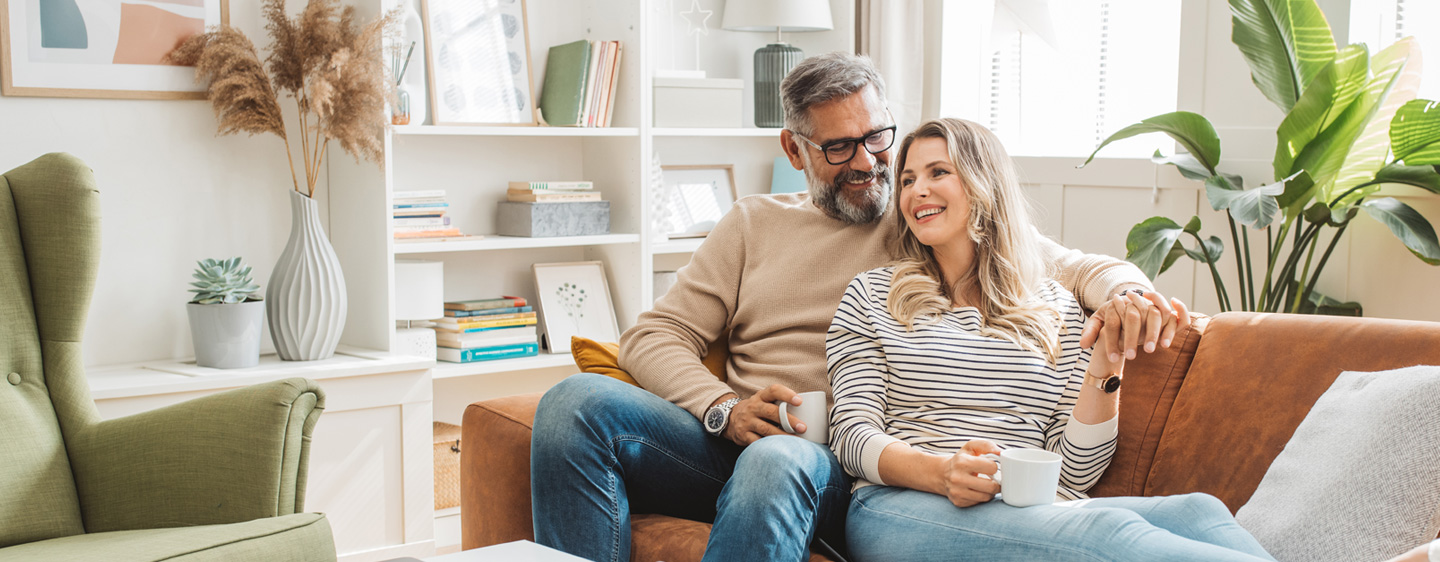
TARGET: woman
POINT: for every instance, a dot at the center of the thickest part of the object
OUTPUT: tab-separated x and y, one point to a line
963	348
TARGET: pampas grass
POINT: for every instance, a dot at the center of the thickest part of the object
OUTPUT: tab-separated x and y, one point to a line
323	59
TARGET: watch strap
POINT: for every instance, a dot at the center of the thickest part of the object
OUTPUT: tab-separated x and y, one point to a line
724	409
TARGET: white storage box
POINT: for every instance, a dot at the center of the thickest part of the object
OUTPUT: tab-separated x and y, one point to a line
699	102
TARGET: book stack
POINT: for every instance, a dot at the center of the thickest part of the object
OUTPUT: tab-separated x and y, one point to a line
422	214
551	191
580	80
486	330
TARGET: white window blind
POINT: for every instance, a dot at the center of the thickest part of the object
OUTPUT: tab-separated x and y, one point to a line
1379	23
1055	77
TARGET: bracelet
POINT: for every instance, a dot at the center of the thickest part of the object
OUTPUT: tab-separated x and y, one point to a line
1138	292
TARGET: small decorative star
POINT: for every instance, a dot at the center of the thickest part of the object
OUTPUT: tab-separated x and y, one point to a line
701	28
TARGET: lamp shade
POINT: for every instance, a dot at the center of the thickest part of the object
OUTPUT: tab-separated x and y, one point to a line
419	289
782	15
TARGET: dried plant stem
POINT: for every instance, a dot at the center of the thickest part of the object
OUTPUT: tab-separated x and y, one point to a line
291	159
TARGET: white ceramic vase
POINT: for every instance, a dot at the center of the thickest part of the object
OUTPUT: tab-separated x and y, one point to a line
305	301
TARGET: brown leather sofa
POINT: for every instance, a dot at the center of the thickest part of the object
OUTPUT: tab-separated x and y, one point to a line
1207	415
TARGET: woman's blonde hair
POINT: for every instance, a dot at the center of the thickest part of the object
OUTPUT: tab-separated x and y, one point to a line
1008	268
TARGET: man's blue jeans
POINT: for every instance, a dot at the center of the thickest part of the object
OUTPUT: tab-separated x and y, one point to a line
899	525
603	449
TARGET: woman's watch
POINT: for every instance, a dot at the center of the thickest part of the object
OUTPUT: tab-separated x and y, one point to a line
1107	384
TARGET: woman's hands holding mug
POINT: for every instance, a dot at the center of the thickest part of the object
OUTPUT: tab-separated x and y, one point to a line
960	474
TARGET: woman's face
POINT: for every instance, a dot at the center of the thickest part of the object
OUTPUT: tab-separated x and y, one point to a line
932	196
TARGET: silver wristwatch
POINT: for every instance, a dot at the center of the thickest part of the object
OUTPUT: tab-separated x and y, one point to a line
718	416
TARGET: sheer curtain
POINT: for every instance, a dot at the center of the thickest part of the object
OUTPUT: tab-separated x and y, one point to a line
905	45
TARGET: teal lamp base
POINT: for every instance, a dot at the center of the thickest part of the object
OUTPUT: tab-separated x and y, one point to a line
772	63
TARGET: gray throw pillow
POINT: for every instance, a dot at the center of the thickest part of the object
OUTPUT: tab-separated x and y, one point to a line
1360	479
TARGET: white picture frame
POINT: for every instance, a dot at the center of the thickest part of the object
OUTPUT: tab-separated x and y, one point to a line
479	59
101	48
695	197
574	299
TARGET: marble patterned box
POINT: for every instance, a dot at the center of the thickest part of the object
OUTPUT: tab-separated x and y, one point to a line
582	218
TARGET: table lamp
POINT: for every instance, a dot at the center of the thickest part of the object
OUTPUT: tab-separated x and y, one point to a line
774	61
419	297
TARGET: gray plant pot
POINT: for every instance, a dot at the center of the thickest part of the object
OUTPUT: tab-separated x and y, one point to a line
226	336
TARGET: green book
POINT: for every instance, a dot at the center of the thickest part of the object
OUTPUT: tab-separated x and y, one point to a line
564	89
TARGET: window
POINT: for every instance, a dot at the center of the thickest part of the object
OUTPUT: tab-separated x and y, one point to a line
1055	77
1379	23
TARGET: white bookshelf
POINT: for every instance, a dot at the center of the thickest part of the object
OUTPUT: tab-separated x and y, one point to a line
475	163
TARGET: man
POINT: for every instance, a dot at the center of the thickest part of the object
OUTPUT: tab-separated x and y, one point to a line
771	275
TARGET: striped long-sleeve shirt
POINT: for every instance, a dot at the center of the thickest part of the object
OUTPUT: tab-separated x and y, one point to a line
944	384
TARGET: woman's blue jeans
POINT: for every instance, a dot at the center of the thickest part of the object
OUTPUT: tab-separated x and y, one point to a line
603	449
898	524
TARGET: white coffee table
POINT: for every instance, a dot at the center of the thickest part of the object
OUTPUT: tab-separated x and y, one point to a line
518	551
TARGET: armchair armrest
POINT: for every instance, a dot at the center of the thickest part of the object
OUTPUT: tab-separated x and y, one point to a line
233	456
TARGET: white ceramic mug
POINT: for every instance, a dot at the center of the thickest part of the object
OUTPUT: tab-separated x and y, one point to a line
1028	477
813	411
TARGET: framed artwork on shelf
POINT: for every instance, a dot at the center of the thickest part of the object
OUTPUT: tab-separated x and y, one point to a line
101	48
694	198
575	301
479	60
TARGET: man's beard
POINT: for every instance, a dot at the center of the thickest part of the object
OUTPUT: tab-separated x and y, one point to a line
862	207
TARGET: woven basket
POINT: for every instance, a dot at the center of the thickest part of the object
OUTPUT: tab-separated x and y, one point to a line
447	465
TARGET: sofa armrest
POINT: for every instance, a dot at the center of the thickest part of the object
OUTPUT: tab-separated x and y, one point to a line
228	457
495	471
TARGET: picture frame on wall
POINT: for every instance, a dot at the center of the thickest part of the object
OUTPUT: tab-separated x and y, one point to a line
479	59
694	198
575	301
101	48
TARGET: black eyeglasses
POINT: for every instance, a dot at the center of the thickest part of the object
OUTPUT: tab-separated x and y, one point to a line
841	151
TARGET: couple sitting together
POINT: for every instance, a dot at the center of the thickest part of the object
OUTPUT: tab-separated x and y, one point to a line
965	333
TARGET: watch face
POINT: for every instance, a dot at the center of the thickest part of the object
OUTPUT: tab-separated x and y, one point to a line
713	419
1112	384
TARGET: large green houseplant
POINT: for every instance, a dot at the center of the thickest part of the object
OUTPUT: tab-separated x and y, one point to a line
1352	124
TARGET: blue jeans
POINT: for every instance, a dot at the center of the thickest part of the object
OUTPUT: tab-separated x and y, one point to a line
603	449
899	524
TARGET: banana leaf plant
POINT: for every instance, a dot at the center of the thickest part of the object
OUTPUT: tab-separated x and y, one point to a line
1352	125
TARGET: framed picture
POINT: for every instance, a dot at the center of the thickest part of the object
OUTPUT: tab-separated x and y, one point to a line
575	301
479	60
694	198
101	48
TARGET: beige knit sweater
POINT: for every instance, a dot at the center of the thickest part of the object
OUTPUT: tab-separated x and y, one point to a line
772	272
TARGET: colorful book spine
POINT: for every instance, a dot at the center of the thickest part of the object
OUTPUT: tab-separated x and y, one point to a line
472	339
486	304
552	197
497	326
491	342
429	233
489	312
473	321
420	205
487	353
553	185
421	221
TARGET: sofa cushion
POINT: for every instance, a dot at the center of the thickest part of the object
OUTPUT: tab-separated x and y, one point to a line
1358	479
1152	381
303	537
1254	378
603	358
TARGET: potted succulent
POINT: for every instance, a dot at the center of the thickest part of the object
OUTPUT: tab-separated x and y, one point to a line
225	315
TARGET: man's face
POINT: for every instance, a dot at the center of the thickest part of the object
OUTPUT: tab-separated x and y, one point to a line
857	191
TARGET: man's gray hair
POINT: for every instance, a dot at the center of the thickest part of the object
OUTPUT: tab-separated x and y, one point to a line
824	78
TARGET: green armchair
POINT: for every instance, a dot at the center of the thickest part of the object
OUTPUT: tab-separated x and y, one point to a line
216	478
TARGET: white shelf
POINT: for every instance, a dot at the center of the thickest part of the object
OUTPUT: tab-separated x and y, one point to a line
518	131
182	375
681	246
716	132
497	242
445	370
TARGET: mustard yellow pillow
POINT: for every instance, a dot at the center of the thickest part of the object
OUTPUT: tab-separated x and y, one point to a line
603	358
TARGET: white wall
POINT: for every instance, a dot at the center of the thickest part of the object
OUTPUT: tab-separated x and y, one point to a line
1093	208
171	193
